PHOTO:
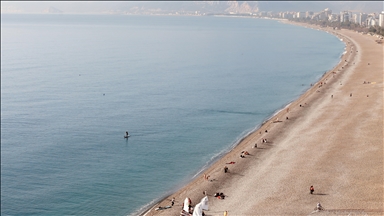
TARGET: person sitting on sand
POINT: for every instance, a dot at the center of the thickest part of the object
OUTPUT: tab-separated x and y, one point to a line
206	177
219	195
225	169
319	207
184	213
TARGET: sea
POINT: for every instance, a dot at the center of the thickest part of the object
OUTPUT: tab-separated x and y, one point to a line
186	88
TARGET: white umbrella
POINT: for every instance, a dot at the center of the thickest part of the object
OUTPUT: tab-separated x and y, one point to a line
204	203
186	205
198	211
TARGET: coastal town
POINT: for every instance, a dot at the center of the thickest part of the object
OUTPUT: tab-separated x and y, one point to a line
367	23
372	23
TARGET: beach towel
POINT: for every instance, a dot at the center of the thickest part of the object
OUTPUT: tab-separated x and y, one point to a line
198	211
204	203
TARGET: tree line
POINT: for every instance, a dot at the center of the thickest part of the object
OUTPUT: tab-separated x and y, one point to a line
342	25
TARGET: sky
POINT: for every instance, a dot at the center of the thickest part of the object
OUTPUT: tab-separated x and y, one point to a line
89	7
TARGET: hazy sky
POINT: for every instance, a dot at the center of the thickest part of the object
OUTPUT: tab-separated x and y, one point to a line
65	6
106	6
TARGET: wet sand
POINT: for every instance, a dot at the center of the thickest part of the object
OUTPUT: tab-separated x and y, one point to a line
332	139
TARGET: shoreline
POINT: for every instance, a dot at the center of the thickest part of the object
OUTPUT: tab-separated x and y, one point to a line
308	98
166	197
268	119
257	129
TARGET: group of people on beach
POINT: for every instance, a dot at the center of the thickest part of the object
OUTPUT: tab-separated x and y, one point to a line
188	205
263	140
221	195
243	153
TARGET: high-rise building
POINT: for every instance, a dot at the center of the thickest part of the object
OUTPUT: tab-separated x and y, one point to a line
323	16
357	18
300	15
328	11
309	14
371	21
363	18
333	17
344	16
381	19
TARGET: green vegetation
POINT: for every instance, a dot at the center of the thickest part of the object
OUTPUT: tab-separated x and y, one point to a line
376	30
341	25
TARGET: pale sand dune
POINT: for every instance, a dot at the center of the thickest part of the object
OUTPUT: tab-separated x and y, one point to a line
334	144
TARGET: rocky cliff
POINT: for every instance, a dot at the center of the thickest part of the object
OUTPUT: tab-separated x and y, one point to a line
242	7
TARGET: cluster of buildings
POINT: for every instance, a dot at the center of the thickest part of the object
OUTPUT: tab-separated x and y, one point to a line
363	19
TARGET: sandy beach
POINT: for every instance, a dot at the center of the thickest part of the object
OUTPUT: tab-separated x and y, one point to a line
331	137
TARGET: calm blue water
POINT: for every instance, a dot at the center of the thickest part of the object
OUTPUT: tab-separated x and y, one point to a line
186	88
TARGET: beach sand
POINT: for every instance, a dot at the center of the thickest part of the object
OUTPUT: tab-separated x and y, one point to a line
333	141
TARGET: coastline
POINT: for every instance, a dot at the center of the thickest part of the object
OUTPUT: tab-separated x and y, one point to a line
274	129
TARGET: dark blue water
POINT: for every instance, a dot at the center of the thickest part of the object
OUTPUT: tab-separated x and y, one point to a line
186	88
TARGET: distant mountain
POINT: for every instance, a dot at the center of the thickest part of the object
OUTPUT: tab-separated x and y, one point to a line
52	10
242	7
276	6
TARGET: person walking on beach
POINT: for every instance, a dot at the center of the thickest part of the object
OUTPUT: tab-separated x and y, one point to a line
311	189
173	201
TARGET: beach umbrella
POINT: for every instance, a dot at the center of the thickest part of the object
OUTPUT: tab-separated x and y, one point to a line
186	204
204	203
198	211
